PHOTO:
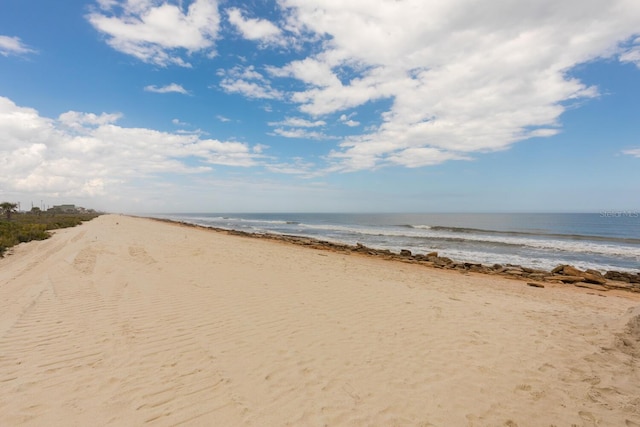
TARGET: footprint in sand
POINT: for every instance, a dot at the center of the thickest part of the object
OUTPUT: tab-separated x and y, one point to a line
85	261
589	417
140	254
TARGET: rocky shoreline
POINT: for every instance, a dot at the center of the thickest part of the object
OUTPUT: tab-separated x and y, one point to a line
565	274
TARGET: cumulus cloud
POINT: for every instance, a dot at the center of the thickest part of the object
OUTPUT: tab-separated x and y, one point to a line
158	33
254	29
13	46
248	82
170	88
86	154
250	89
297	127
75	119
461	76
348	121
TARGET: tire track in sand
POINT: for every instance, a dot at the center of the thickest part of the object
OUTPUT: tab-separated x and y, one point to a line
83	341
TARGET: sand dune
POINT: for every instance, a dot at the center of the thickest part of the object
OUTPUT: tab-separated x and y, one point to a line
129	321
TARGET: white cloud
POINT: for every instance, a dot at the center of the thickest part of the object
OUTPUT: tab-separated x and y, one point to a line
299	133
312	71
223	119
107	4
255	29
635	152
423	156
239	72
259	148
461	76
250	89
197	132
157	33
632	53
297	127
298	166
86	154
348	121
13	46
170	88
298	122
178	122
248	82
77	120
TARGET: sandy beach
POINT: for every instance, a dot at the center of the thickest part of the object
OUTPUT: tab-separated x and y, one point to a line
128	321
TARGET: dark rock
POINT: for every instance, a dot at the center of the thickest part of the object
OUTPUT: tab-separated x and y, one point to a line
619	276
405	252
445	260
361	248
594	278
566	279
535	285
590	286
471	265
620	285
568	273
432	254
569	270
514	272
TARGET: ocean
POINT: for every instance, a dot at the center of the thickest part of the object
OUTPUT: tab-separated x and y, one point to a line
600	241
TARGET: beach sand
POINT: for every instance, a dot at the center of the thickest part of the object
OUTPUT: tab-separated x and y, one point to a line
128	321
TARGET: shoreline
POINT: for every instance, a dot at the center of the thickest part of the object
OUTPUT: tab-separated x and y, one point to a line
562	274
126	320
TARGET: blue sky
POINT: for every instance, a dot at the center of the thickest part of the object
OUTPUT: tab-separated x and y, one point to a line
321	105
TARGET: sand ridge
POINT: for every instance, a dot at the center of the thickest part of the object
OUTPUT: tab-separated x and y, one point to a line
128	321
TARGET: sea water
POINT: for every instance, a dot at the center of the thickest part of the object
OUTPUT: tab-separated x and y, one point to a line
601	241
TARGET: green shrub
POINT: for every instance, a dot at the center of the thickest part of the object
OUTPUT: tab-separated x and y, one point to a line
26	227
29	232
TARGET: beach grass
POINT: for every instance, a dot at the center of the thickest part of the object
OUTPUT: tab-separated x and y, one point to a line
25	227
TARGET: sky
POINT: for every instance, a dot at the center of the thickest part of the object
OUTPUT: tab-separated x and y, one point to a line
321	105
